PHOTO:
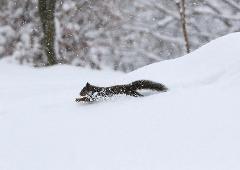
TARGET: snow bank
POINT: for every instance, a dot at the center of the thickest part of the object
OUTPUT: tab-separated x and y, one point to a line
193	126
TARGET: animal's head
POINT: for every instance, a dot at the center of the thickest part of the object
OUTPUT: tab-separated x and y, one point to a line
87	93
87	90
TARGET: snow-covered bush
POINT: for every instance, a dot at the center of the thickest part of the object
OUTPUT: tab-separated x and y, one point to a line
19	32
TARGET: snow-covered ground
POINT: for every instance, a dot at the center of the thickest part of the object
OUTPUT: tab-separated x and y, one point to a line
194	126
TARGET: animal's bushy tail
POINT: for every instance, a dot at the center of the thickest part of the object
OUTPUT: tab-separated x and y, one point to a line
146	84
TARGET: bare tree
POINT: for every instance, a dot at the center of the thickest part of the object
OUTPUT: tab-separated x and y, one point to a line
181	9
46	12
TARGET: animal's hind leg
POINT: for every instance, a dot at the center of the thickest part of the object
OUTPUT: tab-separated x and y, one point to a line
136	94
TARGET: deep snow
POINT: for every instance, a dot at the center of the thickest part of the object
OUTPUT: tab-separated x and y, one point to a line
194	126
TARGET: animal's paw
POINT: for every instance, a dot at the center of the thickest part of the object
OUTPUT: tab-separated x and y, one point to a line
83	100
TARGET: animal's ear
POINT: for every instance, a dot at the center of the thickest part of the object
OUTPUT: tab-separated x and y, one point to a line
88	84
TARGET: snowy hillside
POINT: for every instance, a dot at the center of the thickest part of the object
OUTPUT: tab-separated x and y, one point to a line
194	126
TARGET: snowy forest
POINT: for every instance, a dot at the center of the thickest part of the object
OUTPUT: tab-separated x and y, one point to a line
118	34
119	84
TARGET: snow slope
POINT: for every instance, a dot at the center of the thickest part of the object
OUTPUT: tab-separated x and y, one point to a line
194	126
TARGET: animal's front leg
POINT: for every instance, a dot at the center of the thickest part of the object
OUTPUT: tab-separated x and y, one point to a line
84	99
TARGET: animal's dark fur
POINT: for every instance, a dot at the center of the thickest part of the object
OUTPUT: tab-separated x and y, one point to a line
92	93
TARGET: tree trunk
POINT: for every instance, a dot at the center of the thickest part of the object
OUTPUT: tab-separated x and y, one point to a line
46	11
181	9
